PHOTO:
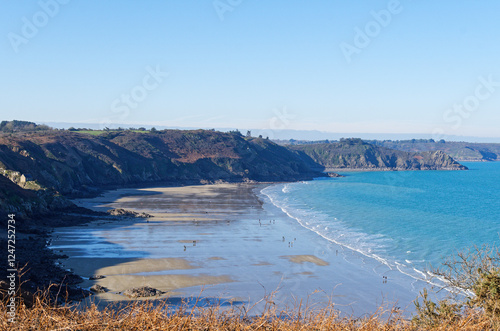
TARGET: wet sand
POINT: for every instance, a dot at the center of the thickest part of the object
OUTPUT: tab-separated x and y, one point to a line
225	241
306	258
147	265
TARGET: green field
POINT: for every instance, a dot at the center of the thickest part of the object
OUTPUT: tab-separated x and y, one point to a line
98	132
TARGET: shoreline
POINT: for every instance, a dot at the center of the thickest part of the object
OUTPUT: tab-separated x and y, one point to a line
342	170
242	254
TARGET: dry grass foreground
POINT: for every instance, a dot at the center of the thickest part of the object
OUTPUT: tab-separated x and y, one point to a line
144	315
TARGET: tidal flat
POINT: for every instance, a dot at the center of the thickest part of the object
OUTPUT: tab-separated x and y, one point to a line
224	243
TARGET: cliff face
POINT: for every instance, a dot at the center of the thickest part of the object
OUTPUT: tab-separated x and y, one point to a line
12	197
460	151
74	164
26	203
356	154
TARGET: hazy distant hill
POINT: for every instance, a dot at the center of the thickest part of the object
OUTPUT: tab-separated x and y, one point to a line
460	151
357	154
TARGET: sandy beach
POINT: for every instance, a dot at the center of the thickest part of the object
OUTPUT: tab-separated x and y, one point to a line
223	242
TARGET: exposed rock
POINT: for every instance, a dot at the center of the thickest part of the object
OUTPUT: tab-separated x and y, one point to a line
95	277
144	291
458	150
334	175
96	288
127	213
357	154
40	271
72	279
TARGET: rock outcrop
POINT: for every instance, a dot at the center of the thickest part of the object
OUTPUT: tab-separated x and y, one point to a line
128	213
96	288
142	292
357	154
458	150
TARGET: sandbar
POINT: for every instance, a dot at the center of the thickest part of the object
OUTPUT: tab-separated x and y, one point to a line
305	258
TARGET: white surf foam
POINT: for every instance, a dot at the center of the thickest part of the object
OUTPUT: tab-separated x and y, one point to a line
332	229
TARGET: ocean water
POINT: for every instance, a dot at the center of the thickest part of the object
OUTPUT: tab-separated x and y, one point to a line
406	220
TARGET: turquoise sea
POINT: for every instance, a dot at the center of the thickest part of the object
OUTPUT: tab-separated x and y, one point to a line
406	220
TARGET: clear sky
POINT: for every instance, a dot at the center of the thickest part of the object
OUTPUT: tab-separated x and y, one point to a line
341	66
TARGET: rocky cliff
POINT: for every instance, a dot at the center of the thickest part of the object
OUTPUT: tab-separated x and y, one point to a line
458	150
357	154
26	203
76	164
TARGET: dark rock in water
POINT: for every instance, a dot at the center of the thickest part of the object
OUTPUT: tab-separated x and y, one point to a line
144	291
334	175
94	277
98	289
127	213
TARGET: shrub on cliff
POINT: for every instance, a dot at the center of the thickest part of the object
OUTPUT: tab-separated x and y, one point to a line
476	274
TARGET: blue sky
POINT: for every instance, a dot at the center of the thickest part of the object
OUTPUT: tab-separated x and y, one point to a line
426	67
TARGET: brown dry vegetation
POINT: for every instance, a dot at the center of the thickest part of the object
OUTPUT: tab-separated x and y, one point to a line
144	315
